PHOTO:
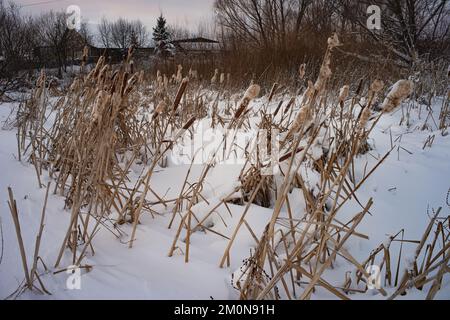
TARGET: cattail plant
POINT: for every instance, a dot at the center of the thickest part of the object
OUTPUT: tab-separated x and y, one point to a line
343	93
214	78
250	94
302	71
400	91
179	76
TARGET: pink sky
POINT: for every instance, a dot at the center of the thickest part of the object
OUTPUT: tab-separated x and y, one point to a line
180	12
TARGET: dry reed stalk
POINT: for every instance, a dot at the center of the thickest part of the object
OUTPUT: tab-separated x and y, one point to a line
15	215
39	236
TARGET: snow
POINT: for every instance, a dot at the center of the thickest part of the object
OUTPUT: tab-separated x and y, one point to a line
411	180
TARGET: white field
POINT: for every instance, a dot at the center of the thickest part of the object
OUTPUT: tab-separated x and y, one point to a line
403	187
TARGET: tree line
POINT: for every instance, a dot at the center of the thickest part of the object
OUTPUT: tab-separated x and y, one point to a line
288	32
21	34
257	36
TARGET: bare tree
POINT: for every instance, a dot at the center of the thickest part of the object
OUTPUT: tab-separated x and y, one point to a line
409	28
53	33
85	33
17	40
265	23
281	31
122	33
104	32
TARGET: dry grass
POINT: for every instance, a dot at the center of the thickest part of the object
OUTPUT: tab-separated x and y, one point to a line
103	124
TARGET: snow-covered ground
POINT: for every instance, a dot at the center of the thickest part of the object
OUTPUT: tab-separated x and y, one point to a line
408	182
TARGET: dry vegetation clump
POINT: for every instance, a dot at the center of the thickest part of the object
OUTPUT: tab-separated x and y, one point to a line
428	264
300	245
114	117
89	140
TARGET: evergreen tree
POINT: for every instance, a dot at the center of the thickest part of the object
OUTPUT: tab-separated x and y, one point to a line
161	36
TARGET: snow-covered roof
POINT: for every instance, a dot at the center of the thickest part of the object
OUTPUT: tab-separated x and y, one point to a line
195	40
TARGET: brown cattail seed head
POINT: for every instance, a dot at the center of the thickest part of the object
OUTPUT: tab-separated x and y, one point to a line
400	90
272	91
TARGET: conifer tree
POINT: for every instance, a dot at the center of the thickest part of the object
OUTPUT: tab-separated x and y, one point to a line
161	37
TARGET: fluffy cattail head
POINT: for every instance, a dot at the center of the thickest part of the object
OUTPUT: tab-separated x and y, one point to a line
214	78
400	90
333	41
100	101
179	76
252	92
376	86
309	91
302	70
365	115
303	115
343	93
160	108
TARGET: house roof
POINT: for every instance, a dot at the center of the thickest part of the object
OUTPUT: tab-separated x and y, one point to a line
195	40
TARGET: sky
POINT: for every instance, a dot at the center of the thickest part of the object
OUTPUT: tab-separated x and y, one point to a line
186	13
